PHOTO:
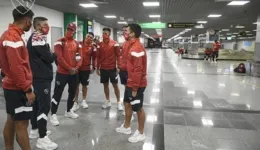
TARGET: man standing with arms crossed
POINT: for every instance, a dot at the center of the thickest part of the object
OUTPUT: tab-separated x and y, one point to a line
69	60
108	57
17	83
88	58
41	59
136	84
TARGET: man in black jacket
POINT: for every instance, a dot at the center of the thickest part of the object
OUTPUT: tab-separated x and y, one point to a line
41	59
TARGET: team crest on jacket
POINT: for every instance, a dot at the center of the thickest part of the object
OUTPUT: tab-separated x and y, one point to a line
46	91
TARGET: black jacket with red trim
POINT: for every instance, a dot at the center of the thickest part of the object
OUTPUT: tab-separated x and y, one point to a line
41	58
136	65
14	60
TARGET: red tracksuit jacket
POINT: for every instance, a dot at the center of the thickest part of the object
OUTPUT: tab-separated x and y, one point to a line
66	50
14	60
124	55
136	65
88	57
108	55
216	46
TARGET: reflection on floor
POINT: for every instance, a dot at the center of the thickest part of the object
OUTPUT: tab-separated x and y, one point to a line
190	105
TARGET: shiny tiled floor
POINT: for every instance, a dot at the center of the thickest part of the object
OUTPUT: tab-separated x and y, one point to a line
190	105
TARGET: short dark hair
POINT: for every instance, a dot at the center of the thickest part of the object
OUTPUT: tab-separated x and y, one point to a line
107	29
38	20
125	26
136	29
91	33
21	12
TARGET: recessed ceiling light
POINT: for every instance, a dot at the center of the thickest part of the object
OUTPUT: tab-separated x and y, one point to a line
88	5
154	16
202	22
214	15
110	16
122	22
151	4
225	30
238	3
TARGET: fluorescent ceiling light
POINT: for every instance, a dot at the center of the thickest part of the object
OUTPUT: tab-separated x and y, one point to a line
249	34
188	29
234	94
247	31
214	15
197	104
151	4
225	30
202	22
156	22
190	92
122	22
238	3
154	16
235	33
88	5
110	16
240	27
229	34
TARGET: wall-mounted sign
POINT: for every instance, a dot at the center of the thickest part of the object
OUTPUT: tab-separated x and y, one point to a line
181	25
156	25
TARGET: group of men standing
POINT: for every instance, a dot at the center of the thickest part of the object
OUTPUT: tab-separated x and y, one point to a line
28	74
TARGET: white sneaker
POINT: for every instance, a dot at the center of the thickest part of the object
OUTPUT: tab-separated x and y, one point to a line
54	120
136	137
106	104
71	114
46	144
35	134
84	104
120	106
123	130
75	107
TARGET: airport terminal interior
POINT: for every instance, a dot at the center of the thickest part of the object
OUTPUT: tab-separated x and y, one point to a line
190	103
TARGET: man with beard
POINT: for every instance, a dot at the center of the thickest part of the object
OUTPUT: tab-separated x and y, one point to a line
17	83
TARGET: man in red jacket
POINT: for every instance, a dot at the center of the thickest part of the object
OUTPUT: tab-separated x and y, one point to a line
17	83
69	53
88	59
136	84
216	47
108	57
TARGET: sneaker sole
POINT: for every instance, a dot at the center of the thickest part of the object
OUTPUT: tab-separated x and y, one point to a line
33	137
71	117
40	147
54	124
127	133
136	141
